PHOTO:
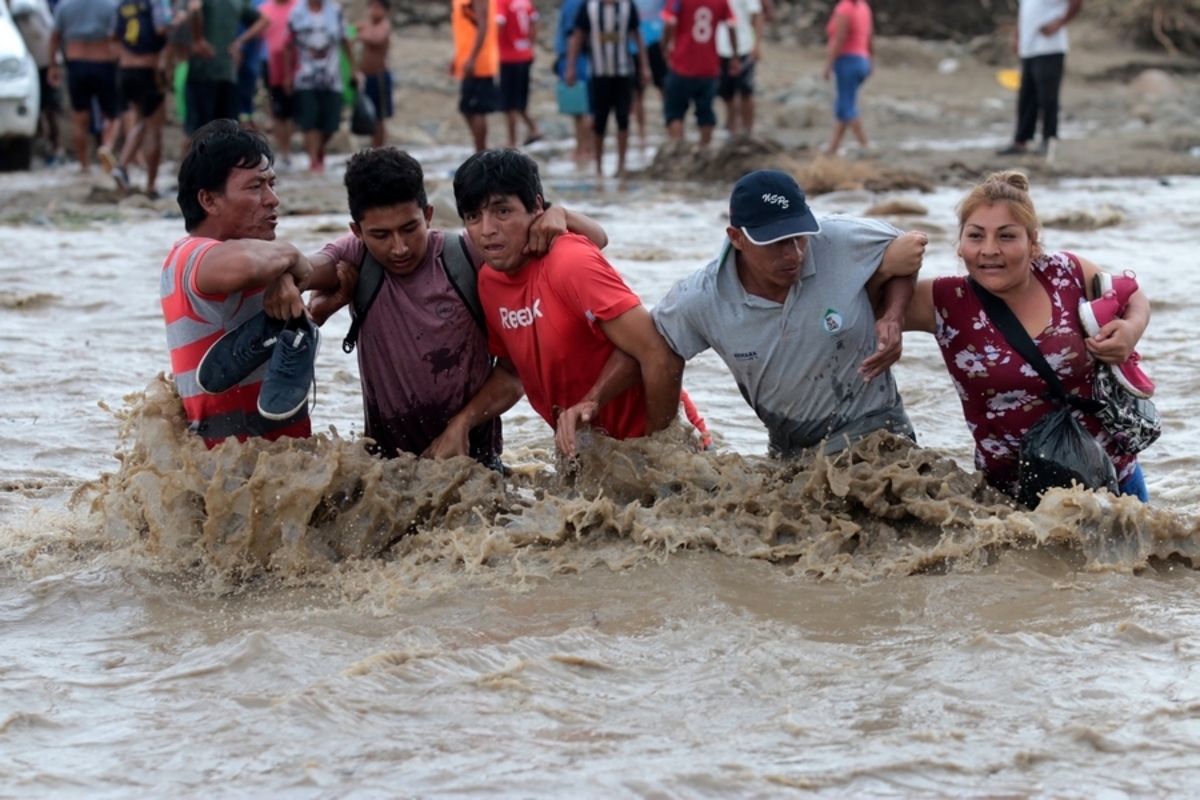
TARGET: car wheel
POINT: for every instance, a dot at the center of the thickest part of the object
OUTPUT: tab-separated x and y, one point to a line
16	154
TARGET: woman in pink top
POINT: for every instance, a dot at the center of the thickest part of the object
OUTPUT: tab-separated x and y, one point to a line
849	58
281	101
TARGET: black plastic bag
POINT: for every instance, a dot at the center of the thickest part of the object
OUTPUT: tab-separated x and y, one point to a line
1058	451
364	116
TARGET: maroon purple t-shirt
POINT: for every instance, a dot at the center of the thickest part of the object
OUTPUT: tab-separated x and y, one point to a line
421	356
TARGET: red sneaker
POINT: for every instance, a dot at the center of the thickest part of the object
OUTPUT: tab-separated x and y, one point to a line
1130	376
1108	306
1095	314
1123	285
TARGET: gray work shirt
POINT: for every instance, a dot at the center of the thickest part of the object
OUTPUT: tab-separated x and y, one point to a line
796	363
84	20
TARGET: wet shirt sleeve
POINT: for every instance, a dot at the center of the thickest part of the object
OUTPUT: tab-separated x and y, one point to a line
675	317
586	281
345	248
853	246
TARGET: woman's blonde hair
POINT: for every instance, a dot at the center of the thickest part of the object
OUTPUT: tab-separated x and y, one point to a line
1010	188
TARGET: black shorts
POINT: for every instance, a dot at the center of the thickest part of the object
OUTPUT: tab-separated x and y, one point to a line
318	110
611	93
283	104
49	101
514	86
379	89
742	85
658	64
478	96
98	79
141	87
209	100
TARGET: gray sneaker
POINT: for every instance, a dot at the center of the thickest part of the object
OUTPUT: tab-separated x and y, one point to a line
290	373
238	353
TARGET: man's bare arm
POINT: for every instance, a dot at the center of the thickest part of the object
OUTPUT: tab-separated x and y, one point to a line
499	393
619	373
482	21
240	264
554	222
661	368
889	326
574	45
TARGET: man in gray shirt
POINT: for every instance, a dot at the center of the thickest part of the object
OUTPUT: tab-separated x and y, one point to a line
81	31
806	315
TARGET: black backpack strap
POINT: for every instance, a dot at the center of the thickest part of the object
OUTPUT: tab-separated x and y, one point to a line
370	278
463	276
459	270
1014	332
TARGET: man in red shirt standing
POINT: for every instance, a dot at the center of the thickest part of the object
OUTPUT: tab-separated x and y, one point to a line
517	20
581	342
690	43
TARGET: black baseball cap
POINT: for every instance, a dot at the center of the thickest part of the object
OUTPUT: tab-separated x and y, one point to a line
768	205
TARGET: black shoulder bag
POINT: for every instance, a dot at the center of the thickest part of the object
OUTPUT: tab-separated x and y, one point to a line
1057	450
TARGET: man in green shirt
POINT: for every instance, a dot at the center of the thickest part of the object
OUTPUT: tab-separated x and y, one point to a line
212	74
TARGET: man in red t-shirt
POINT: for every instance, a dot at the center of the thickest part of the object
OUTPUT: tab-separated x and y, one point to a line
690	44
518	21
565	323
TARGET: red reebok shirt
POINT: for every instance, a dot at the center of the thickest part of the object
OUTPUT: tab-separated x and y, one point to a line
545	318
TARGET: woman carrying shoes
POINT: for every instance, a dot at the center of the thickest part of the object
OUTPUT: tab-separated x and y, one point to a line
1002	394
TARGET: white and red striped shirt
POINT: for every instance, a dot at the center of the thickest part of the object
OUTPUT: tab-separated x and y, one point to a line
195	320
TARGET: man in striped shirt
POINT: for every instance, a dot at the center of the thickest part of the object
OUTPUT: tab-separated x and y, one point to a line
224	272
609	26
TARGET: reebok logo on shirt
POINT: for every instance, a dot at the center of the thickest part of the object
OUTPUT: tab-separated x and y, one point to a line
522	317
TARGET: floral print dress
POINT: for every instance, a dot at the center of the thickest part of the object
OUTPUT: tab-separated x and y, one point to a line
1002	395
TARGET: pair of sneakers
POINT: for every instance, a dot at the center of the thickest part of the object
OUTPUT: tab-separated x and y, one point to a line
1112	293
289	347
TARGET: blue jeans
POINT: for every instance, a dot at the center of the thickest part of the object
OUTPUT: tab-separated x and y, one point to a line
850	72
1135	485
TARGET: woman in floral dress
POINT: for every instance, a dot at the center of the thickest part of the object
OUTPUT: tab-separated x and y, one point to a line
1002	395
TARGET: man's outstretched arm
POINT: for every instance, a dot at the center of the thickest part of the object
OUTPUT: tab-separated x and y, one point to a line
554	222
891	289
499	393
889	326
661	368
619	373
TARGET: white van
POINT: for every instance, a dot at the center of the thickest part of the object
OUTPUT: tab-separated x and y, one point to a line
19	96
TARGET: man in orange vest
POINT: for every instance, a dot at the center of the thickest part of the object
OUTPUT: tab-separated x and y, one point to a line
476	63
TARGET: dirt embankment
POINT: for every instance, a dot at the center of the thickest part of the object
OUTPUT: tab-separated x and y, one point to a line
934	108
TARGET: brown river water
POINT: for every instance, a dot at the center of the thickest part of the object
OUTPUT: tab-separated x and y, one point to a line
299	620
